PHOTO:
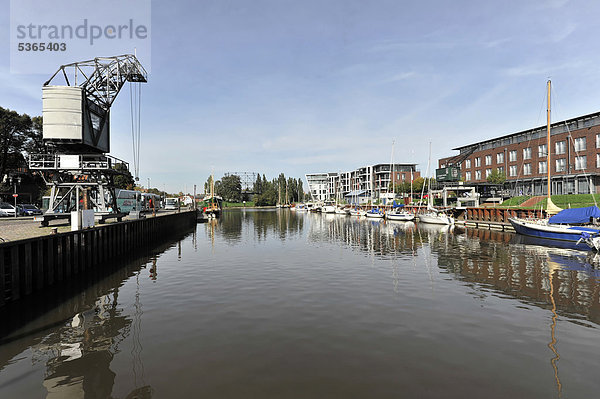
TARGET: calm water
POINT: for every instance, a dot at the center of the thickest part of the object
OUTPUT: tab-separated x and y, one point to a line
273	304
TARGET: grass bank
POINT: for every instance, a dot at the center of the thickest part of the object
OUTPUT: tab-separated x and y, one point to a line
562	201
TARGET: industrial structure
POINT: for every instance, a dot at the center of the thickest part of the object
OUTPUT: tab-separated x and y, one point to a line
522	158
247	179
76	128
368	183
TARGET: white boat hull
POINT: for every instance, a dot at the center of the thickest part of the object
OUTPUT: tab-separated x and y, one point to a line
433	218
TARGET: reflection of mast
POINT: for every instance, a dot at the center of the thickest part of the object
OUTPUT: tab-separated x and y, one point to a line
552	269
136	347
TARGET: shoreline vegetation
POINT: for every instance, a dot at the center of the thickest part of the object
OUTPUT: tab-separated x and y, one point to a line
562	201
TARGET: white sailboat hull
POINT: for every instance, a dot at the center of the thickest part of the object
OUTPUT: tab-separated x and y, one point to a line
436	218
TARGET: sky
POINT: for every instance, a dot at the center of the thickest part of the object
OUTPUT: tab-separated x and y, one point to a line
296	87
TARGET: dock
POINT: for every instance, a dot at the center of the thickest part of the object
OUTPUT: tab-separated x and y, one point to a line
31	265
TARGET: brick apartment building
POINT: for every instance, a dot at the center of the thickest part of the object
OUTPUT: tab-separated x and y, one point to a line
522	157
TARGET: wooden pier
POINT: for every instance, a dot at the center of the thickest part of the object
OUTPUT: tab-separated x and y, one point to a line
31	265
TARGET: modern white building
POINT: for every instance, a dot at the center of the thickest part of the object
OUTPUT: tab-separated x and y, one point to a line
372	181
318	185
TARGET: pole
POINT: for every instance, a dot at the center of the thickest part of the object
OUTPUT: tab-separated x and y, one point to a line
15	196
548	140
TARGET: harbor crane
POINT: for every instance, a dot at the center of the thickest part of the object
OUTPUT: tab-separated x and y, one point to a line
76	127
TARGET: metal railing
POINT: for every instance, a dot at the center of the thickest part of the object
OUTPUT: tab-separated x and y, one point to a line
74	162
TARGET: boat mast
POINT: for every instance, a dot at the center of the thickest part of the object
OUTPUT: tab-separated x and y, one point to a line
548	139
392	173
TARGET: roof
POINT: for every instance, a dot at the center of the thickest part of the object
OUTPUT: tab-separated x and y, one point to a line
553	125
355	193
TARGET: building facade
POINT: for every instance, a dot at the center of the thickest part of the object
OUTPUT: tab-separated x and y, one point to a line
522	158
372	181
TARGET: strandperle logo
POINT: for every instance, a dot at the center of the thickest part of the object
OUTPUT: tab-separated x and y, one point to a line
85	30
47	34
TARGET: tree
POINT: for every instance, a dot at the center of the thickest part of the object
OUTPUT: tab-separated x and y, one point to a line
496	177
257	184
230	188
124	180
14	130
208	184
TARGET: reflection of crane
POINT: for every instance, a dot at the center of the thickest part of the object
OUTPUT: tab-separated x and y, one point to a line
76	114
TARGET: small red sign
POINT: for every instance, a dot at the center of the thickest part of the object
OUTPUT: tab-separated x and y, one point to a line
15	195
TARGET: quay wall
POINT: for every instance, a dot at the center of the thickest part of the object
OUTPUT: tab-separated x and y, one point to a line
31	265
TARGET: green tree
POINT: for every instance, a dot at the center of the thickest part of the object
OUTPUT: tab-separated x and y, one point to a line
257	184
124	179
230	188
14	131
496	177
208	184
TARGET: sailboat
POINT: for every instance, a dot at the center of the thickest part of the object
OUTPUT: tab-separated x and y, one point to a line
397	212
578	225
432	215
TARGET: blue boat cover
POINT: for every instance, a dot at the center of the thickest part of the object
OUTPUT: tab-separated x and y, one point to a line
575	215
396	205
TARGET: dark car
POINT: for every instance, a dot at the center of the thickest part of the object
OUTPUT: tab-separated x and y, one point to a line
29	210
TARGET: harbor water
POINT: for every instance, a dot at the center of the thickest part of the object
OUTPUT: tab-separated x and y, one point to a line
282	304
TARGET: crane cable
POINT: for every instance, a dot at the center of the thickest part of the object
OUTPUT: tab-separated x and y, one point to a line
135	97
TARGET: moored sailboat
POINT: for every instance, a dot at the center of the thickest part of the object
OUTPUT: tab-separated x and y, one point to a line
580	225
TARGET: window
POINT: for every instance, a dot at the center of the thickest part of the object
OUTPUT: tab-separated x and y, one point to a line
527	169
512	156
477	175
527	153
561	164
560	147
501	169
542	167
513	170
598	141
580	162
598	160
468	164
580	144
488	159
542	150
488	172
468	176
477	162
500	157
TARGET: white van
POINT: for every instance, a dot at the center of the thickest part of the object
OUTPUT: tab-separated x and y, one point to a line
172	204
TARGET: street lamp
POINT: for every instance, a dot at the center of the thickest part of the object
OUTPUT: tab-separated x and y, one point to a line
14	181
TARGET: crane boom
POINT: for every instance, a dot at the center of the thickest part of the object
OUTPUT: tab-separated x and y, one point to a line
103	77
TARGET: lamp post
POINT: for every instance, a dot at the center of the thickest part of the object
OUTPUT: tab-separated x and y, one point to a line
14	181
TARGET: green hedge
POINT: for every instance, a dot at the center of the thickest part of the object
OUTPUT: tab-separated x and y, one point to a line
237	204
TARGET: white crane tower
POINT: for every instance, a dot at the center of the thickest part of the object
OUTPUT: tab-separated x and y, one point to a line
76	113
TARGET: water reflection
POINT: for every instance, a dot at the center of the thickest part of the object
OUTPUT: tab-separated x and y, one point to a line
78	339
493	259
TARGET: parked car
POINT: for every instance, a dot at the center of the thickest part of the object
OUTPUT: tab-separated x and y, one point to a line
7	209
29	210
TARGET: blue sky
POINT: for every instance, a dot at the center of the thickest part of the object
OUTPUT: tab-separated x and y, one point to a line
312	86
